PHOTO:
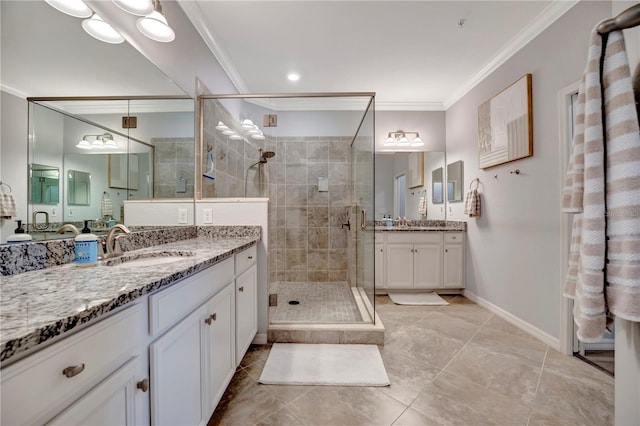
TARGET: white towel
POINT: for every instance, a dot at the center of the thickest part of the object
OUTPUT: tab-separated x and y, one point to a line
7	205
422	206
472	204
610	229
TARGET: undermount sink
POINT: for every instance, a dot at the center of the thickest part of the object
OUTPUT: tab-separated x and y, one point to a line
148	258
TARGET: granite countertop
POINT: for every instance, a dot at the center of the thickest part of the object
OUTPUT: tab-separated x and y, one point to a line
419	228
39	305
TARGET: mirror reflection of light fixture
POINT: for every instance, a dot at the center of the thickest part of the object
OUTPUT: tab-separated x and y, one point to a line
97	28
155	25
101	141
248	124
399	138
135	7
75	8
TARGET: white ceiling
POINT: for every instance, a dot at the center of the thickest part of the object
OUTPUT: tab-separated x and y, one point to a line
47	53
413	54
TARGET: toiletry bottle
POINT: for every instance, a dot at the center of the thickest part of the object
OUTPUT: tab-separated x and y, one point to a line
389	221
86	247
19	236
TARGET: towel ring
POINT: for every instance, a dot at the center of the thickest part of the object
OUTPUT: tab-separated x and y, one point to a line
477	180
7	185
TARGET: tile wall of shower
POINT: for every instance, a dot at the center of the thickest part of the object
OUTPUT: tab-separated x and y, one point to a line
307	240
173	160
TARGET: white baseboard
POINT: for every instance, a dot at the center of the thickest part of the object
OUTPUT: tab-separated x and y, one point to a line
260	339
543	336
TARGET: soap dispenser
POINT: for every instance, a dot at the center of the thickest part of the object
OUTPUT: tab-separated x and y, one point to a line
86	245
19	236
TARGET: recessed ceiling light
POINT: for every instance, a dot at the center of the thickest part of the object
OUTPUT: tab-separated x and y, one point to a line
292	76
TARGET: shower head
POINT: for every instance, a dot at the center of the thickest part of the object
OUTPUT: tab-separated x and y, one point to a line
268	154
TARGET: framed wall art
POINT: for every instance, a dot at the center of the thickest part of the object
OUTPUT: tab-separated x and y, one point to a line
505	130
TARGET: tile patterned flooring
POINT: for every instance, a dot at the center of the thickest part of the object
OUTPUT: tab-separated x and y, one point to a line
458	364
325	302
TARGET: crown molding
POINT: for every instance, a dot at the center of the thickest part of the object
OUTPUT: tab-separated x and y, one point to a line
12	91
123	107
195	15
409	106
545	18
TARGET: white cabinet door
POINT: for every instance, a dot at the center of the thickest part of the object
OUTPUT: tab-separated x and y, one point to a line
454	266
399	266
427	266
178	372
219	347
112	402
246	311
380	272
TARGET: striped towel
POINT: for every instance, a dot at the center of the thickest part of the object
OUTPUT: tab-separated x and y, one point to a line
600	230
7	205
472	204
422	206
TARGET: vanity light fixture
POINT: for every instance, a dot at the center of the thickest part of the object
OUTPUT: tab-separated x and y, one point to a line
75	8
221	126
399	138
101	141
155	25
247	124
135	7
97	28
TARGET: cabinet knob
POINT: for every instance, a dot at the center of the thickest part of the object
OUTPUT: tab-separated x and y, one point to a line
249	257
241	289
211	318
73	370
446	250
143	385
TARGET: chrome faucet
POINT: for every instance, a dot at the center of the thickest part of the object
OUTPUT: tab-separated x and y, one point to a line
111	244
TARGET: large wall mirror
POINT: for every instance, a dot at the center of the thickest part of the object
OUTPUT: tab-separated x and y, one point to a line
163	140
389	166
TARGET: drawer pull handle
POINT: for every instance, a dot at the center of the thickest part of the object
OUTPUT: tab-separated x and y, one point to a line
241	289
249	257
211	318
143	385
74	370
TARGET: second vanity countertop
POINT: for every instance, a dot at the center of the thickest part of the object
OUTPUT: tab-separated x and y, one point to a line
418	229
39	305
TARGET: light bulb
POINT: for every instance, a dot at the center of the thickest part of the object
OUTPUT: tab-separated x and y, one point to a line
75	8
135	7
390	141
97	28
155	26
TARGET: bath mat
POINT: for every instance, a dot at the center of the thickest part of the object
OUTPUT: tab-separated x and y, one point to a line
324	364
417	299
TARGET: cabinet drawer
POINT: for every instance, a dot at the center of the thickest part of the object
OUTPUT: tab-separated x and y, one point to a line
35	389
408	237
454	237
245	259
168	306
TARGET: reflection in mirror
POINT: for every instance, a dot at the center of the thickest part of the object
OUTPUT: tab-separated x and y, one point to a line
44	184
388	166
454	181
436	186
79	184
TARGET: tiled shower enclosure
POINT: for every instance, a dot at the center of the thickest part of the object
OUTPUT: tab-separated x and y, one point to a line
318	175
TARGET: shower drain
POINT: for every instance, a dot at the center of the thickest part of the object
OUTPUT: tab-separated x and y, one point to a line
294	302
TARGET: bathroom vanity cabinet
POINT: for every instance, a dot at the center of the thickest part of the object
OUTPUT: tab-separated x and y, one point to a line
407	260
165	358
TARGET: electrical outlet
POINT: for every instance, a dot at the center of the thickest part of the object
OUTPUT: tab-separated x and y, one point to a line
207	216
182	216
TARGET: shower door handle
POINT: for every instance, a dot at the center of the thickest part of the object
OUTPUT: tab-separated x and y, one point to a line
363	217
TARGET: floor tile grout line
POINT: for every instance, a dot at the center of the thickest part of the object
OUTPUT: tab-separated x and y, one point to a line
535	394
466	344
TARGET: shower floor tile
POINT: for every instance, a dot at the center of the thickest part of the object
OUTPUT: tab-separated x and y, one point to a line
321	302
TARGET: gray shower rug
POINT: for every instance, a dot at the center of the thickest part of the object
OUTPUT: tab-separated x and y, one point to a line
417	299
324	364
